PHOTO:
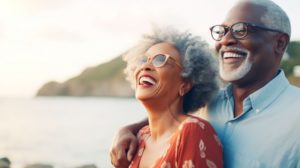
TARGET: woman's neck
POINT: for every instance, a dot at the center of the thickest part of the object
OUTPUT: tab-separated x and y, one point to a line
164	120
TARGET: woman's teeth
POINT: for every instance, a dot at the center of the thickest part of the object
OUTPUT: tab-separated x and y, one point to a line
147	80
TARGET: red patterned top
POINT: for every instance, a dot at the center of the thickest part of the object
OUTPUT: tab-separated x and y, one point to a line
194	145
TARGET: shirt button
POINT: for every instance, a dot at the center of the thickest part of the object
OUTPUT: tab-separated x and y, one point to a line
229	124
257	110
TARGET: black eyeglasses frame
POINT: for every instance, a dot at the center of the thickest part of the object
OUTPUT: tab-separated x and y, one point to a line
226	28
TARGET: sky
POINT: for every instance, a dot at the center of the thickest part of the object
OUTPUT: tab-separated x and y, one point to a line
54	40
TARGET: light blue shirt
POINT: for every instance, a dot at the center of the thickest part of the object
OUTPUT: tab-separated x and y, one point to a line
267	133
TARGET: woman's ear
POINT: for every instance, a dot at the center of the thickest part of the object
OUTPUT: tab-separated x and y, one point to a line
185	87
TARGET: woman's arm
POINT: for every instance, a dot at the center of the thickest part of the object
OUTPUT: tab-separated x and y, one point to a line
125	144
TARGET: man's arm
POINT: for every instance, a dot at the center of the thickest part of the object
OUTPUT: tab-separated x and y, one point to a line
125	144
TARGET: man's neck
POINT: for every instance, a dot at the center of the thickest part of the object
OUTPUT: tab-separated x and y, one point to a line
240	92
239	95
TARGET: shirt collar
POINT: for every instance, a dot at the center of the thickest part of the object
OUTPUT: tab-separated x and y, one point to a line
227	92
267	94
263	97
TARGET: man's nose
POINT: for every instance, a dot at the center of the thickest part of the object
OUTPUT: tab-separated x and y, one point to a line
228	39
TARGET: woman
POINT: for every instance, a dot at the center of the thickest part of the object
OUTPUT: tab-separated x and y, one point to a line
173	74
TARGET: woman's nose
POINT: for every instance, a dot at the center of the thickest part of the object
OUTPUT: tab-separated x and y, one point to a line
147	66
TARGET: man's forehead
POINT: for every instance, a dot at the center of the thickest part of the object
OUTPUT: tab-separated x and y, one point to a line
245	12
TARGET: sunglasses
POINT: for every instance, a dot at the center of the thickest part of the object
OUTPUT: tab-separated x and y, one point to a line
158	60
238	30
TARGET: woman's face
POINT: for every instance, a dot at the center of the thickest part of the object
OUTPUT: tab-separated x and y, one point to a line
156	80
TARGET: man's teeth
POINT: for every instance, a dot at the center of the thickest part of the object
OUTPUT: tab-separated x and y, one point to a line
147	80
232	55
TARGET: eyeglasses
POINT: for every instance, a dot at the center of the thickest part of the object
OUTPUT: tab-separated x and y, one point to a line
238	30
158	60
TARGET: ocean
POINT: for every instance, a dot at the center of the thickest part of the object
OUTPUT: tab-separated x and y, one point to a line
63	131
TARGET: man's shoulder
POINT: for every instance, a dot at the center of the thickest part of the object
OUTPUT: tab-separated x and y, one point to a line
292	91
294	88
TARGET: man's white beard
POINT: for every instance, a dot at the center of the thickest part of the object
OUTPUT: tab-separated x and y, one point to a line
234	74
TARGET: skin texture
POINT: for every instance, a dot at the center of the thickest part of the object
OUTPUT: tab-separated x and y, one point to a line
163	102
258	43
165	76
265	50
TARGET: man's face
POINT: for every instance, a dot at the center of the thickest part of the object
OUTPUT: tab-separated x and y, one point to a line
247	60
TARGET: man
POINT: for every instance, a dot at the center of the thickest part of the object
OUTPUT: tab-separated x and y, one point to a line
256	116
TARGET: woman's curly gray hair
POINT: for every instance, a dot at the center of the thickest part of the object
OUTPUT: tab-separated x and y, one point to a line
199	65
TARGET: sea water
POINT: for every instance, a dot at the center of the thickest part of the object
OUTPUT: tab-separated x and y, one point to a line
63	131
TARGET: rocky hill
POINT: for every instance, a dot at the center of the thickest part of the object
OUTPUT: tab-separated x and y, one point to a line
106	79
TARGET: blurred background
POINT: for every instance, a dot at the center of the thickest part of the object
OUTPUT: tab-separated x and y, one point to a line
61	71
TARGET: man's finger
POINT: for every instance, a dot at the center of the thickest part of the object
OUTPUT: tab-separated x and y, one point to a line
132	149
119	154
116	156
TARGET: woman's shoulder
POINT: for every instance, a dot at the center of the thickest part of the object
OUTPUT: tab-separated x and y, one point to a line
199	129
196	121
196	125
143	133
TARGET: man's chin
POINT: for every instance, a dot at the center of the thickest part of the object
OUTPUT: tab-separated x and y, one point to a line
230	76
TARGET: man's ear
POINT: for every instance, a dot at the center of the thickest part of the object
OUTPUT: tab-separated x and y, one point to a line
185	87
281	43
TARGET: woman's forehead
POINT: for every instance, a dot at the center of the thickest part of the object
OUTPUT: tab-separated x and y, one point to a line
163	48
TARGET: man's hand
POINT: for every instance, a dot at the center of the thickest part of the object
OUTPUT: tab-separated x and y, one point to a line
123	148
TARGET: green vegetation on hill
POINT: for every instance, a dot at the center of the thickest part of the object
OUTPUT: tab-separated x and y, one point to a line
106	79
101	72
293	51
287	65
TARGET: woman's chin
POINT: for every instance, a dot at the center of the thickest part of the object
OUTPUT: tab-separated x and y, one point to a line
143	97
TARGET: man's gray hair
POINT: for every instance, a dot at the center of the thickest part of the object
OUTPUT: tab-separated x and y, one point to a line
199	65
275	17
